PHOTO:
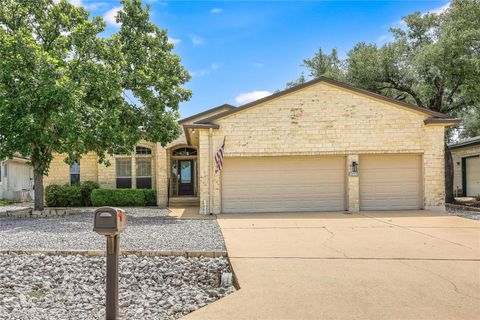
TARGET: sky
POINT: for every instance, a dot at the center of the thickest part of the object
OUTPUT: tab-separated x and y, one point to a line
240	51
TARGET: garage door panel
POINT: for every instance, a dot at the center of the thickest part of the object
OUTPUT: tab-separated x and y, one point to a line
473	176
275	184
390	182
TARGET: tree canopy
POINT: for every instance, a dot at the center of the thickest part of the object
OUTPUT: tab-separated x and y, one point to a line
432	62
67	88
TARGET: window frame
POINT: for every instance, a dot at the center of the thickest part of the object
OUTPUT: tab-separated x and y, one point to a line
144	181
123	181
76	173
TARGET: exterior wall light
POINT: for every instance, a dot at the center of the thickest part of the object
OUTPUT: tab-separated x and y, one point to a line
354	169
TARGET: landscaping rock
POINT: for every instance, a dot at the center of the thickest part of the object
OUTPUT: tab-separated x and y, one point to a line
72	287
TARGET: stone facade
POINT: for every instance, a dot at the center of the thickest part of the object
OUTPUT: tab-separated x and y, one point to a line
320	119
91	170
457	155
323	119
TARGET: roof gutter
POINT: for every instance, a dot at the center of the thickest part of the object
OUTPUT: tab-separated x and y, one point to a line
443	121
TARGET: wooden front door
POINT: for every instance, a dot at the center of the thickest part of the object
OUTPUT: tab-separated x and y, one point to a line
186	178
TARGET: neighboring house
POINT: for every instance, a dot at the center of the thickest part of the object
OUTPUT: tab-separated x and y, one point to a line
16	179
319	146
466	167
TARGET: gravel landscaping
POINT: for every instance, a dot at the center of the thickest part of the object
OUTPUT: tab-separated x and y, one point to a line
147	229
72	287
474	215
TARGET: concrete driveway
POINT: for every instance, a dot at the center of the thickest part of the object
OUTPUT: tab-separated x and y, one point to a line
371	265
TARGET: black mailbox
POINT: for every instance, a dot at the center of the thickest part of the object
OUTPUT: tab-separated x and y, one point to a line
109	221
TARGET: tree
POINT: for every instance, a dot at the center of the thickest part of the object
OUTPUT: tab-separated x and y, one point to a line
65	89
433	62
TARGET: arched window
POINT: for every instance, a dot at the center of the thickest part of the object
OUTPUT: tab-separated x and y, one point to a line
143	151
184	152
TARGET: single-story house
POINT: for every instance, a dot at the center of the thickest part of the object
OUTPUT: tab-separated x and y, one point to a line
16	179
466	167
319	146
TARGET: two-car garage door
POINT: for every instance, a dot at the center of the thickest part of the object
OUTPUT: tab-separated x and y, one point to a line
318	183
282	184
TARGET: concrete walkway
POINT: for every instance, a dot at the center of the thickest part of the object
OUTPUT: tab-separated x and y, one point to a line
373	265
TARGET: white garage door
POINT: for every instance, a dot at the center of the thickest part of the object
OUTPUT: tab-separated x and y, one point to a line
282	184
473	176
390	182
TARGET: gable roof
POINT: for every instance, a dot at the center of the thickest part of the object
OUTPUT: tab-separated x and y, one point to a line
206	112
465	143
434	114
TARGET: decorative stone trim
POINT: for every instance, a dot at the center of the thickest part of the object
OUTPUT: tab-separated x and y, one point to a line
460	207
140	253
17	213
47	212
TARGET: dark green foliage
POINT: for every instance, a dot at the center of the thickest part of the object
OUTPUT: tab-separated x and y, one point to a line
150	197
70	196
63	196
66	87
86	189
123	197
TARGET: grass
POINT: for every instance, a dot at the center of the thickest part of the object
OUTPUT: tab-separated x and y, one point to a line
38	293
5	202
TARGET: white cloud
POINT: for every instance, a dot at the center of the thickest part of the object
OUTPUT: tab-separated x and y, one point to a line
258	64
110	15
77	3
196	40
216	10
203	72
251	96
384	38
441	9
174	40
95	5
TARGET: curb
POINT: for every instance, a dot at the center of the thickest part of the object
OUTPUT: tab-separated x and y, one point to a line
139	253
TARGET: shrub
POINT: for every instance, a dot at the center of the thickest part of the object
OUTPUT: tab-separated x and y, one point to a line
86	189
121	197
63	196
150	197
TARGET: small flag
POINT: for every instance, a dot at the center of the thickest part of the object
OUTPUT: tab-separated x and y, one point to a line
219	157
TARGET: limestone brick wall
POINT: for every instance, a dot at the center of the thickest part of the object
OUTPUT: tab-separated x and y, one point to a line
107	174
204	164
162	176
325	120
89	167
59	172
91	170
457	155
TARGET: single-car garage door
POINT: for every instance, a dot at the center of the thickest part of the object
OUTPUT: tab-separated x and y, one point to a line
390	182
280	184
473	176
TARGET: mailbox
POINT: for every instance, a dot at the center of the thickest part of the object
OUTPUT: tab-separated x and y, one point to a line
109	221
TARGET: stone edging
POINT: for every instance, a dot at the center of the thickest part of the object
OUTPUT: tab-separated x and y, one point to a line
47	212
461	207
101	253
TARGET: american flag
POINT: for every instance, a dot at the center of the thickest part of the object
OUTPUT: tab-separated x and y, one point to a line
219	157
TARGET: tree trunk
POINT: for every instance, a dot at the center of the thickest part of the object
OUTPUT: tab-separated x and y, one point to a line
38	185
448	175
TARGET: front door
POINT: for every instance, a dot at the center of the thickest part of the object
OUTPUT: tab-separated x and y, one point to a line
185	179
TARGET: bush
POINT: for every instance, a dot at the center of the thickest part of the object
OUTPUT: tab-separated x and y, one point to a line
150	197
123	197
86	189
63	196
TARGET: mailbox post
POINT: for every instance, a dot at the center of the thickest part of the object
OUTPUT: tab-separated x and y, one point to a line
110	222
